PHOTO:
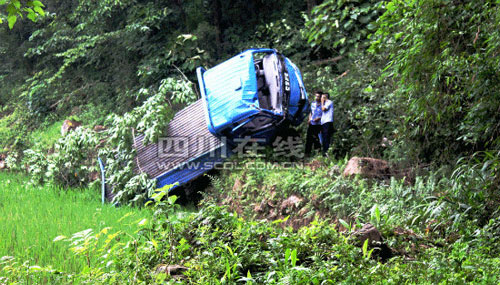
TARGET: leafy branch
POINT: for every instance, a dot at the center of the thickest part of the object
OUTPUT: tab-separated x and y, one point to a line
14	8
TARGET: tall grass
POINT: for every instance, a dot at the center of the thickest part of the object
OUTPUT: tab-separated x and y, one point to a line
32	216
46	137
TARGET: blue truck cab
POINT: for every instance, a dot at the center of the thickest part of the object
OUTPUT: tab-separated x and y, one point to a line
252	94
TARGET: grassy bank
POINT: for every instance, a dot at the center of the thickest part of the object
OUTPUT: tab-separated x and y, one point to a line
235	237
32	216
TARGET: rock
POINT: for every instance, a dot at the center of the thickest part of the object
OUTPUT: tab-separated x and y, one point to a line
99	128
367	167
370	232
68	126
375	241
2	164
293	202
172	270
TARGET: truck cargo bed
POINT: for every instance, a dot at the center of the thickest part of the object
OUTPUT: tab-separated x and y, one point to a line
186	151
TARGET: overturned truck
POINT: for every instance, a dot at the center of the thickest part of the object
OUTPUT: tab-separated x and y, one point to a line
252	95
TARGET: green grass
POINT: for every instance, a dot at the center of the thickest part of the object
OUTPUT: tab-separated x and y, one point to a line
32	216
46	137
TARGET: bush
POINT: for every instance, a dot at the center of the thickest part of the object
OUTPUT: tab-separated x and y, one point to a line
72	162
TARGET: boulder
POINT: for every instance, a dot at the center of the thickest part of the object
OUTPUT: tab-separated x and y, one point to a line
367	167
370	232
69	125
375	241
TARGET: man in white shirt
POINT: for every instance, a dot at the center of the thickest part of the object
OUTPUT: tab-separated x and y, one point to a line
326	122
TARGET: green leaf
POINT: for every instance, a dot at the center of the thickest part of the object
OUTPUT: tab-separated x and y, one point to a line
172	199
38	4
231	252
375	214
35	268
11	9
12	20
365	248
16	4
345	224
287	254
365	19
39	10
294	258
31	14
58	238
370	253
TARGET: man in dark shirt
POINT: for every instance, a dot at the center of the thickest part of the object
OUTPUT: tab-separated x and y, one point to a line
314	127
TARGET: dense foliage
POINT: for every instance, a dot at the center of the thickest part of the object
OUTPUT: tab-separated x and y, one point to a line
443	60
428	79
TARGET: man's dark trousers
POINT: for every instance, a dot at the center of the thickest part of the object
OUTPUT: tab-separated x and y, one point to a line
312	138
326	134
